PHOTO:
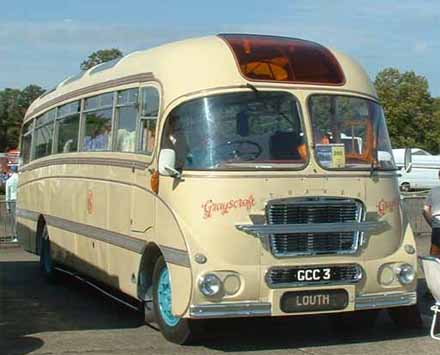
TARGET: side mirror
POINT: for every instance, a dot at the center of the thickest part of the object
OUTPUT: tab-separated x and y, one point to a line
167	163
408	160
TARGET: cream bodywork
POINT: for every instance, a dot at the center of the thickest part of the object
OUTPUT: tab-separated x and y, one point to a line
118	199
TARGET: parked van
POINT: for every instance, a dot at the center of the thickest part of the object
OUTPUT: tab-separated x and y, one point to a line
424	172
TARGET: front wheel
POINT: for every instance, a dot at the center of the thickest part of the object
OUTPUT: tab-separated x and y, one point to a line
175	329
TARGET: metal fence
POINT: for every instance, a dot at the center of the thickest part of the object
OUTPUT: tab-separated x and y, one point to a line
413	207
7	222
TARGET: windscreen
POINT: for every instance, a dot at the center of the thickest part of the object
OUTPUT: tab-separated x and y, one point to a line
350	133
245	130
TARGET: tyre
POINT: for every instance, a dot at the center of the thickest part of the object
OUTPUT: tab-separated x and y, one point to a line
406	317
353	321
405	187
46	261
175	329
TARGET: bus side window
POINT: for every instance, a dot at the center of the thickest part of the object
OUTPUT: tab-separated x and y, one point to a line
68	127
43	134
126	116
26	141
148	117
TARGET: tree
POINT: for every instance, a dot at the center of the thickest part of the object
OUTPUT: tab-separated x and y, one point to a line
409	109
13	106
101	56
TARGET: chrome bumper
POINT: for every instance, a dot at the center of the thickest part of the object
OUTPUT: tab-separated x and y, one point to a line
231	310
261	309
385	300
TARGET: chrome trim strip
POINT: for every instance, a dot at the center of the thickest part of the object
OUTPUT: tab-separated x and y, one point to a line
113	238
175	256
171	255
130	79
123	163
265	230
359	270
231	310
385	300
31	215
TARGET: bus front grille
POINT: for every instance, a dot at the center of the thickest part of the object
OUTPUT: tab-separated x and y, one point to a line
303	211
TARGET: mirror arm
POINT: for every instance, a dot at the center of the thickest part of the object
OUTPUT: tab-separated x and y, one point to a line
173	172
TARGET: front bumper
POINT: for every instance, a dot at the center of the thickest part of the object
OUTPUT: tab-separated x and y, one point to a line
261	309
386	300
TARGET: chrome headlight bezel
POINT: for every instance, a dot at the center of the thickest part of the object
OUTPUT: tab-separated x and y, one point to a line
210	285
406	274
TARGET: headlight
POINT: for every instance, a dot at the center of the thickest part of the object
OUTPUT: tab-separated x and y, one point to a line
210	285
232	284
406	274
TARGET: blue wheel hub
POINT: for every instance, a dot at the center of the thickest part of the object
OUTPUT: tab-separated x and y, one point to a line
164	296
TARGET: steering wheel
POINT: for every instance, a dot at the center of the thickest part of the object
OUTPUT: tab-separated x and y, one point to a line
239	150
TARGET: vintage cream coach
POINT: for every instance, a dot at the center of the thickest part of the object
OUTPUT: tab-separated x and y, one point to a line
227	176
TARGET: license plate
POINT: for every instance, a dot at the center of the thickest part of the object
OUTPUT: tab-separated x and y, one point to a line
314	301
315	274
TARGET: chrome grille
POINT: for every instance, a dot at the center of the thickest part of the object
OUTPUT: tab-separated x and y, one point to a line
296	244
285	276
314	211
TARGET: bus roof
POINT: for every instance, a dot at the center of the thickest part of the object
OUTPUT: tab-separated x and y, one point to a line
198	64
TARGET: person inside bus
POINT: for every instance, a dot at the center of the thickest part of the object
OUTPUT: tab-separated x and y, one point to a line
431	212
100	138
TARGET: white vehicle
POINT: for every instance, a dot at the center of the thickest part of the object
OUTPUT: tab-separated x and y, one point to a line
424	173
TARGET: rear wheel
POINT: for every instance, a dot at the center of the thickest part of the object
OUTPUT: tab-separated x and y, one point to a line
175	329
46	261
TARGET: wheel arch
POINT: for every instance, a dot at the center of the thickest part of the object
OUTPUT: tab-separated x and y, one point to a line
181	277
146	267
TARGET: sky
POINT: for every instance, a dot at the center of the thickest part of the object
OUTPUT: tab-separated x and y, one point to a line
42	42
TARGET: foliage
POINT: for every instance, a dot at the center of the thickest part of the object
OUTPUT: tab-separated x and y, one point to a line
101	56
410	109
13	106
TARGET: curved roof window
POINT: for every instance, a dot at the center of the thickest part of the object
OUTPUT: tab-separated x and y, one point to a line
74	78
104	66
271	58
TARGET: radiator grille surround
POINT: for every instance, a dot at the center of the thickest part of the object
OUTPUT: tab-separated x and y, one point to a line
316	210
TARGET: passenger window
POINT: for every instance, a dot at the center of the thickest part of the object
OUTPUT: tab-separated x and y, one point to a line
68	127
26	142
127	113
44	134
149	114
98	123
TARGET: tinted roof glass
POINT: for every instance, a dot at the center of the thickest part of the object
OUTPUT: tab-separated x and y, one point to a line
284	59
